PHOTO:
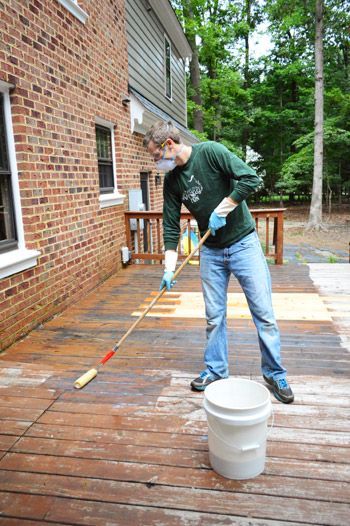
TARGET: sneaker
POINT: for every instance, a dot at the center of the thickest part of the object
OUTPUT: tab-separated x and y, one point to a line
280	389
203	380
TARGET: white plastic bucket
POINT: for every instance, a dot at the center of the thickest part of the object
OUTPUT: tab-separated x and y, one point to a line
237	413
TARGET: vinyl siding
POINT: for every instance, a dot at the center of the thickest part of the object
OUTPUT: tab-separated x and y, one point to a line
146	57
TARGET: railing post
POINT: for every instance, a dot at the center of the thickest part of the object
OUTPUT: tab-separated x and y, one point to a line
267	234
279	243
128	233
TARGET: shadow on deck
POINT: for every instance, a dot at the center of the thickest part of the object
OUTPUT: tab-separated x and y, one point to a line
131	447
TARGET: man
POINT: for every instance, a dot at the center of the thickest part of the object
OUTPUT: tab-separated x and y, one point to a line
213	183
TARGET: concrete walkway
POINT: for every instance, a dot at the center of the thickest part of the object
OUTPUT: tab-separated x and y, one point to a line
305	253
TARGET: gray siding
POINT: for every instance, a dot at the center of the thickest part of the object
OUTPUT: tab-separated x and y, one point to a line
147	62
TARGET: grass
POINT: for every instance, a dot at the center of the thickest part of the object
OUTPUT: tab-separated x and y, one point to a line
332	259
300	258
273	198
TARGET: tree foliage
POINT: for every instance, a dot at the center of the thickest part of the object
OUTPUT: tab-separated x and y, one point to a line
266	104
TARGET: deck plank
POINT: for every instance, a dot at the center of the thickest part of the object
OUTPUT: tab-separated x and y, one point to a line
150	493
88	512
297	464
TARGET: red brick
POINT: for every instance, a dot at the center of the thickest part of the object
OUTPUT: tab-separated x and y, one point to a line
54	62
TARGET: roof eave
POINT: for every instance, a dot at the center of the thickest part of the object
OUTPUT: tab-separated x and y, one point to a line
144	114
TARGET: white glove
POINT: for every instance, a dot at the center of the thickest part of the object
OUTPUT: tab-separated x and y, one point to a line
170	260
225	207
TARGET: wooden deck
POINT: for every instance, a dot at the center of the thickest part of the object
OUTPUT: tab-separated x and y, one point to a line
131	447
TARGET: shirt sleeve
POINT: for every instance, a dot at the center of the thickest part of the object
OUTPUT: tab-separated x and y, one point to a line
171	216
235	168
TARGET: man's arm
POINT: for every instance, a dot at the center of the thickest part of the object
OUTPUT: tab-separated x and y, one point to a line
171	232
232	166
171	216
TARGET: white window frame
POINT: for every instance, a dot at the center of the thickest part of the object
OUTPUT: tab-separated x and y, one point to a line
73	7
167	40
115	198
20	258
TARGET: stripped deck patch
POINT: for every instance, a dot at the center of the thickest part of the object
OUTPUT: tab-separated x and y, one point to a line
287	306
23	376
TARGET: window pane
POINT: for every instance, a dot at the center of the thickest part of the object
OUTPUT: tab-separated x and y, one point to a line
7	219
167	69
3	148
104	143
105	159
106	177
7	224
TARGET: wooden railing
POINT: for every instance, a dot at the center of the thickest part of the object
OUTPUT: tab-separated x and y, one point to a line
273	221
145	241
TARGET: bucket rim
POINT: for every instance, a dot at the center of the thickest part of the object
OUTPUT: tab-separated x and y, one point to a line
213	386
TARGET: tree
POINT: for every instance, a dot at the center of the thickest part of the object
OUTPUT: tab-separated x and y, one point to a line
315	216
194	91
297	171
213	28
268	105
281	89
247	14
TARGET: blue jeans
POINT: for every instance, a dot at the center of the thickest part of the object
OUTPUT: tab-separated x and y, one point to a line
246	261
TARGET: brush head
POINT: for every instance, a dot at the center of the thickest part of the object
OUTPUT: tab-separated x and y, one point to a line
85	378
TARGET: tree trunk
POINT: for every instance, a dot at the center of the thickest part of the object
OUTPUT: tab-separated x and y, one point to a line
214	101
195	76
246	131
329	199
315	216
246	44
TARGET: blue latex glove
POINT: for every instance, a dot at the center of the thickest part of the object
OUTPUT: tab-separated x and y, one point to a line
167	280
216	222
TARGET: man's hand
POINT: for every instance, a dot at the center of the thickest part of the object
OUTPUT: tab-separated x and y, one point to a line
218	216
167	280
216	222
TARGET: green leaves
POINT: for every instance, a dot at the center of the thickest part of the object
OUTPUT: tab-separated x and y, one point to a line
268	104
297	170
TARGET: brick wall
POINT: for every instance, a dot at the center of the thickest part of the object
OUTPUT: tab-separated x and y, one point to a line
65	74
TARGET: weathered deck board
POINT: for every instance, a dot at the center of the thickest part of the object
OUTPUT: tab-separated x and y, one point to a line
290	461
149	493
131	448
79	511
186	477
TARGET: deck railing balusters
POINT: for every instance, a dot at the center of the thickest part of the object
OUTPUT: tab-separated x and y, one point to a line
261	216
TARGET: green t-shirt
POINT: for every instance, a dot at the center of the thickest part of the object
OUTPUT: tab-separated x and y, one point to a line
211	173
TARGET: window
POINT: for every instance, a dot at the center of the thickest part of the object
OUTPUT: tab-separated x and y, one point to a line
75	10
168	83
8	240
109	194
105	159
14	256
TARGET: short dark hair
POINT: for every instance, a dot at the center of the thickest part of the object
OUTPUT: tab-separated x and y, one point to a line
160	131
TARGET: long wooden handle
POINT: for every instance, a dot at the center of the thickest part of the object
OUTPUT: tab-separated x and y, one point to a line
160	294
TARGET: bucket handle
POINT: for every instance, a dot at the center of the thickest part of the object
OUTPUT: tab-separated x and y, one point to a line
244	448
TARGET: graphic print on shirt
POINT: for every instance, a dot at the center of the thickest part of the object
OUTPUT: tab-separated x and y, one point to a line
192	194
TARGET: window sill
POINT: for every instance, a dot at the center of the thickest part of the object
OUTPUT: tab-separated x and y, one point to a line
17	261
75	10
114	199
